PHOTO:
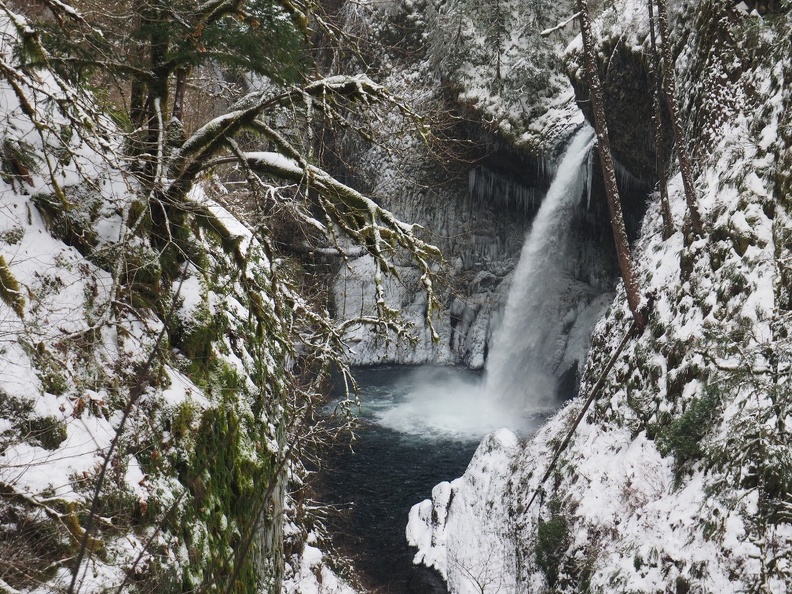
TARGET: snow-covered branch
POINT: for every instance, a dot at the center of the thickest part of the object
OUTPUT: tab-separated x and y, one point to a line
559	26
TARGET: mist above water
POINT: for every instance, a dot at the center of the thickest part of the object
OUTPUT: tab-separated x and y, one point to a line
433	402
548	318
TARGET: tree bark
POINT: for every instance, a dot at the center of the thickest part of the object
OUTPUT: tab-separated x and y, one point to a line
179	93
137	95
655	69
608	169
680	140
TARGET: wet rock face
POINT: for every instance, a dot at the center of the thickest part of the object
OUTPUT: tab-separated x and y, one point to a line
627	90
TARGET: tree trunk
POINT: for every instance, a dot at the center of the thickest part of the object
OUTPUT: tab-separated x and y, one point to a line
608	169
669	85
137	99
178	94
137	93
655	71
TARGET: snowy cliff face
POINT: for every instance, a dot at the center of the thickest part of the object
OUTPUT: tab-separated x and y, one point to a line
473	282
76	365
679	477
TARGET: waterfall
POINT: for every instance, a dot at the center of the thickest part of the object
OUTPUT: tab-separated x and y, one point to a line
544	299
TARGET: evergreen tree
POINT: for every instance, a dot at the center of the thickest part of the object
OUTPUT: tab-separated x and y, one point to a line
497	33
150	48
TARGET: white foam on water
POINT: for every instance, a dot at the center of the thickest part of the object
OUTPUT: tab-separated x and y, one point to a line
539	328
438	403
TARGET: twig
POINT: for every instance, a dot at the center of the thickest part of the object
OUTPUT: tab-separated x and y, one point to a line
9	492
134	395
242	552
6	589
146	545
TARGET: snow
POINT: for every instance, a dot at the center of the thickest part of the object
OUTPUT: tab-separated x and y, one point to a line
191	292
755	185
68	365
180	389
313	576
354	292
275	161
472	519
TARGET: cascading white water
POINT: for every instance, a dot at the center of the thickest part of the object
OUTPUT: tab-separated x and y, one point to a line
544	298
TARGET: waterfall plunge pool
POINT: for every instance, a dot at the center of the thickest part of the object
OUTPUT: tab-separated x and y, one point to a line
418	426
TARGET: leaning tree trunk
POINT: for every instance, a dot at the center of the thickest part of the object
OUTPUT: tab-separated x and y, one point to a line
655	72
669	85
179	93
608	169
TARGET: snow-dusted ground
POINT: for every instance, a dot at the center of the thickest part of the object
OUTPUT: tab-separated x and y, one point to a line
309	573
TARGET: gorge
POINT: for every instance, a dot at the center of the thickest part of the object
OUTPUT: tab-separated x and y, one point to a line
213	215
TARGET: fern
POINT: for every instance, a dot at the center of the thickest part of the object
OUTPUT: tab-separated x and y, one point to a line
9	289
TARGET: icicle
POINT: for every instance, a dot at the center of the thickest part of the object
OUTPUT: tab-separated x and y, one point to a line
589	164
627	181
